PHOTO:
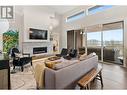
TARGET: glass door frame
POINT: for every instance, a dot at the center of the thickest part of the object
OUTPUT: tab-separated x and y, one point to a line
102	44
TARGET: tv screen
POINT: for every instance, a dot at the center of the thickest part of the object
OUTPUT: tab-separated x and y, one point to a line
38	34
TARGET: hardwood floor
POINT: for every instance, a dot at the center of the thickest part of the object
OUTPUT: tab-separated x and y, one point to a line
114	77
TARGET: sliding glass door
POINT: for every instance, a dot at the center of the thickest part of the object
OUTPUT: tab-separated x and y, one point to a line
106	41
113	42
94	40
94	43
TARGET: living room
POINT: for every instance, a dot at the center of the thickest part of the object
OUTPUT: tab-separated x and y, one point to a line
42	32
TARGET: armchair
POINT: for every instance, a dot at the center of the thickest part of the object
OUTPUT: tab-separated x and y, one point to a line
63	53
73	53
20	59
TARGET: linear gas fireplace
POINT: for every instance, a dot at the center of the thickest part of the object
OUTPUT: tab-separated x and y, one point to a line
38	50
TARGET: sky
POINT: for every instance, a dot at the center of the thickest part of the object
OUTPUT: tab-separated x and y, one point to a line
98	9
109	35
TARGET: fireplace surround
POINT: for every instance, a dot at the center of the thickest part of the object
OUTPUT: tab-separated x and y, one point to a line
39	50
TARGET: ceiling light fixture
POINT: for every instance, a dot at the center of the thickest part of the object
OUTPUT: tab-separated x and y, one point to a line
51	26
53	21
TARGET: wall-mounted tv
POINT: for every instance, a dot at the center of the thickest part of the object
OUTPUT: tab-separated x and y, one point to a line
38	34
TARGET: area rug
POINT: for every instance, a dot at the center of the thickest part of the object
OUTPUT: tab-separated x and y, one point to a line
23	80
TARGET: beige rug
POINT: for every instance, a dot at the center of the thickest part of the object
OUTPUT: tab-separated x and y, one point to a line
23	80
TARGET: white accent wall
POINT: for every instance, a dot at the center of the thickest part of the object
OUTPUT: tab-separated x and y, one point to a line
18	23
38	17
28	47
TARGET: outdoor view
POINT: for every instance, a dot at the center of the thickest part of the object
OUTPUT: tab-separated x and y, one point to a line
112	41
94	39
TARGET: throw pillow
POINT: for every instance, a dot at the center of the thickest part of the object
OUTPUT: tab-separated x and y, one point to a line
83	57
91	55
64	64
50	64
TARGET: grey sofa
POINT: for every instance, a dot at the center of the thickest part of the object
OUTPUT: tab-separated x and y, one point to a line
66	78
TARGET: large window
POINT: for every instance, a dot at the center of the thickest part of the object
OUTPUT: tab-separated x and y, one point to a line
92	10
106	42
94	40
96	9
94	43
113	42
113	38
76	16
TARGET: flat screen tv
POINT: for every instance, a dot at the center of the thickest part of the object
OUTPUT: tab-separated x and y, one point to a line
38	34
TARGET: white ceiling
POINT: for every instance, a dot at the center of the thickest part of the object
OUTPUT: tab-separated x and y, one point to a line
62	9
59	9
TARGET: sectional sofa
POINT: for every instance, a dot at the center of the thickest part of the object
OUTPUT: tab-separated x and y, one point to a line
67	77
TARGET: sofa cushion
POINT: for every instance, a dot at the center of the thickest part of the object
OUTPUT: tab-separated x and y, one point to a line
84	56
51	64
65	63
91	55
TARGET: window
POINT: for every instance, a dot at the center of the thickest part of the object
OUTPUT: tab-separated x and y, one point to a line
94	35
98	8
94	43
113	42
75	16
107	41
94	39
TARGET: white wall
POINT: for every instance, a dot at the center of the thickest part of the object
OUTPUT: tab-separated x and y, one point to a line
117	13
57	31
38	17
1	43
18	23
4	26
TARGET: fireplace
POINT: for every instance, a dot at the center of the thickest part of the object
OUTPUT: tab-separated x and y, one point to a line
38	50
